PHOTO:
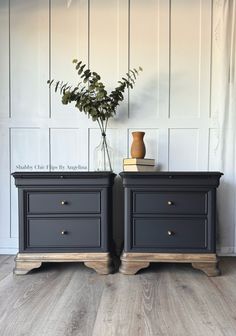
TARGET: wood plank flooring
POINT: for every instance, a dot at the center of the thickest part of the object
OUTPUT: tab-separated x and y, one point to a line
163	300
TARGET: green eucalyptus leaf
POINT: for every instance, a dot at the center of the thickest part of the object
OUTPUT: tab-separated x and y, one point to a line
130	78
63	88
133	73
81	69
78	65
56	87
50	82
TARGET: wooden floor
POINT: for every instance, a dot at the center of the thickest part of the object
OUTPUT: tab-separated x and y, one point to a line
70	299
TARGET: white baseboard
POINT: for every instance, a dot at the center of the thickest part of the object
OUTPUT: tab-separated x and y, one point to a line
10	251
226	254
8	245
226	251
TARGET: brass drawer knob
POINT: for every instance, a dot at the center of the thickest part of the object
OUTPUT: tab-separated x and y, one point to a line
63	232
170	203
63	202
170	233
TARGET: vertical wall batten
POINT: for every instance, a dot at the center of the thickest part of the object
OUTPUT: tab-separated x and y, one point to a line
9	130
200	58
9	32
10	183
50	57
88	34
88	148
128	56
49	149
211	53
169	88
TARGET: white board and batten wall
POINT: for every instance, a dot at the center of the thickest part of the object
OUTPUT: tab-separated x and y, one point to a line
171	40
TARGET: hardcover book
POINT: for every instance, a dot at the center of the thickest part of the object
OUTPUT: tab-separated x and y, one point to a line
139	168
143	162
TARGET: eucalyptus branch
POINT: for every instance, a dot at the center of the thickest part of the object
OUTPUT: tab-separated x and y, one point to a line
106	125
99	125
90	95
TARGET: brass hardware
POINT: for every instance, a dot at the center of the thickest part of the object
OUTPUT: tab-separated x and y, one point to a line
63	202
170	233
63	232
170	203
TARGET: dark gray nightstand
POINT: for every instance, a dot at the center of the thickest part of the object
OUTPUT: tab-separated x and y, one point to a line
170	217
64	216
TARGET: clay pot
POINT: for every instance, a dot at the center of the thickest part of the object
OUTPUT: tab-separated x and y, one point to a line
138	149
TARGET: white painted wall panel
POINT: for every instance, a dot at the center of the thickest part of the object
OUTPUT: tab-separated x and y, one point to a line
29	32
69	149
190	57
69	40
183	149
4	183
29	149
213	145
163	149
163	57
205	67
144	52
108	46
4	58
108	50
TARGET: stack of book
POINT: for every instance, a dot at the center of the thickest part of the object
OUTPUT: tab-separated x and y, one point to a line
139	165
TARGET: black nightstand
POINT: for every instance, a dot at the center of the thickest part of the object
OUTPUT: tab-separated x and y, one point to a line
64	216
170	217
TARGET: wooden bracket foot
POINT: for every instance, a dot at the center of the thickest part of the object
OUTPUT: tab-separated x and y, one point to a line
24	267
132	267
209	268
101	267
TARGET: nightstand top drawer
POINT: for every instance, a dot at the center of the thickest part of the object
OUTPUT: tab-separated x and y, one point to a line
181	233
163	202
64	202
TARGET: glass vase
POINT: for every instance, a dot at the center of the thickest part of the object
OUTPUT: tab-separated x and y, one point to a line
103	156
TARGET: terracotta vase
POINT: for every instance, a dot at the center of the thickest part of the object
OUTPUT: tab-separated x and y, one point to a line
138	149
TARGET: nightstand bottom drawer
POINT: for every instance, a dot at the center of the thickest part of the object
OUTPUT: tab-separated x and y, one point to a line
186	233
62	232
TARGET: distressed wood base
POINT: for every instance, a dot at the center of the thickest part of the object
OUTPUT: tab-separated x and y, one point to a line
211	268
100	262
131	263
